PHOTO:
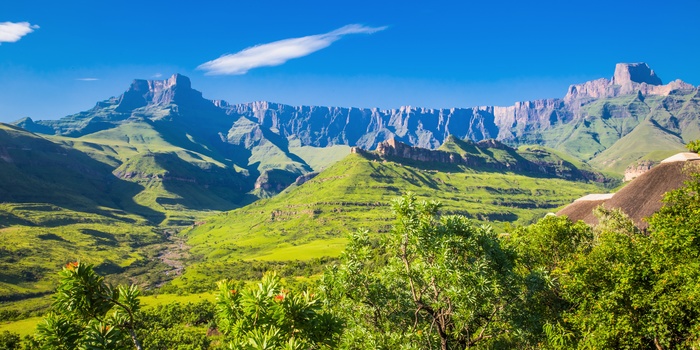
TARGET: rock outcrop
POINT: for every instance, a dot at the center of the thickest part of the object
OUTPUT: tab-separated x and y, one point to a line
480	155
628	73
393	149
141	93
232	130
635	170
304	178
629	78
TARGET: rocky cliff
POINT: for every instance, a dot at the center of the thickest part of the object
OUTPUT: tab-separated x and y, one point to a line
484	155
629	78
522	123
635	170
588	120
141	93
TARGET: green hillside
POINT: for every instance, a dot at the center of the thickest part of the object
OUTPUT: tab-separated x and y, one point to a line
60	205
647	141
37	239
312	220
612	133
106	197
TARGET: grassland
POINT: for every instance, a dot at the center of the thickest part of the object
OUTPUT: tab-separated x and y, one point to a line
50	236
612	133
28	325
312	220
636	145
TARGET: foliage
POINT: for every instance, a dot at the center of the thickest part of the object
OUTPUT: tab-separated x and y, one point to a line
88	313
442	280
173	337
9	340
176	326
192	314
606	285
268	316
675	261
693	146
541	251
634	290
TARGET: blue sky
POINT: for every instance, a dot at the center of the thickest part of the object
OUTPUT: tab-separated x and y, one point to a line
67	55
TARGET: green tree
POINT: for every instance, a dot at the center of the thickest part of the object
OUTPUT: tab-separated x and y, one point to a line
607	286
9	340
674	251
432	281
632	290
267	316
542	249
88	313
693	146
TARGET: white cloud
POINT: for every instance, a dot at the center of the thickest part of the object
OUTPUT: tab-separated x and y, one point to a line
279	52
157	75
87	79
11	32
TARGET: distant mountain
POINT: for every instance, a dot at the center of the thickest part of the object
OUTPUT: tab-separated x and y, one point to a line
185	151
601	121
588	121
36	170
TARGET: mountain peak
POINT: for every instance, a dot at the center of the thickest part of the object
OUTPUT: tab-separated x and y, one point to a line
179	80
141	93
626	73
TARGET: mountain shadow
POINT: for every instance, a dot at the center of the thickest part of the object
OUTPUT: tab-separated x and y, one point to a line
36	170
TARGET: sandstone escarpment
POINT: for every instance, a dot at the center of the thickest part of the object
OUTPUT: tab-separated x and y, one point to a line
629	78
177	88
391	148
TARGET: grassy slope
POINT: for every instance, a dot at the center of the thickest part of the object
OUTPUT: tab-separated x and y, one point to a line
647	141
28	326
614	132
598	130
318	158
60	205
202	183
312	220
52	236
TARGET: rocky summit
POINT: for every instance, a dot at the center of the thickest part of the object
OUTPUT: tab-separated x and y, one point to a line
627	73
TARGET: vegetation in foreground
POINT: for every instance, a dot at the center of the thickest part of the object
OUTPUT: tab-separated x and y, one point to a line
434	281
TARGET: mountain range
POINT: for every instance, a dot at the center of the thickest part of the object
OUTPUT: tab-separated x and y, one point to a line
594	121
263	181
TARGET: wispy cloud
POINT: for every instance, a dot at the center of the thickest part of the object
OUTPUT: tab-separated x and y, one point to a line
11	32
279	52
87	79
157	75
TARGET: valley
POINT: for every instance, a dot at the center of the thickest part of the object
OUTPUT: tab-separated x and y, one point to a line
167	190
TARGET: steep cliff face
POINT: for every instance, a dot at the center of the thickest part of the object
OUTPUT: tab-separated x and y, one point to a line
393	149
485	155
627	73
324	126
590	119
543	121
141	93
629	78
